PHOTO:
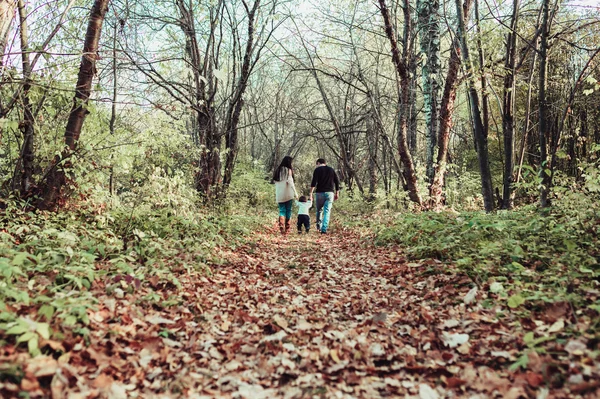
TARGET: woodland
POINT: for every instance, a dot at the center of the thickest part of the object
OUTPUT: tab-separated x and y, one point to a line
139	253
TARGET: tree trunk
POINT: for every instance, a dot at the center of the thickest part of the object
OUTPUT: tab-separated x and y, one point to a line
544	124
209	175
446	112
527	115
373	147
57	176
481	140
429	28
24	171
113	109
508	106
7	14
409	172
414	112
202	96
237	102
485	103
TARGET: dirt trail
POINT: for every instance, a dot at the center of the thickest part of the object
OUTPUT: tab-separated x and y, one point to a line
336	317
296	317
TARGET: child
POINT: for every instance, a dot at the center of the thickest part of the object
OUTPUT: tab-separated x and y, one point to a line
303	216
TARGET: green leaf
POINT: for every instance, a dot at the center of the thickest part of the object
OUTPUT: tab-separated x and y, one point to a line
529	337
584	269
32	346
520	363
515	301
46	311
595	307
43	329
17	330
20	258
26	337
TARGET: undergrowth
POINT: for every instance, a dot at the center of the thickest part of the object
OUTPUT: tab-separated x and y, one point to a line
51	263
523	258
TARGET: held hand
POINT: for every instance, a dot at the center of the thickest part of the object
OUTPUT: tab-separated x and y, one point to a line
336	196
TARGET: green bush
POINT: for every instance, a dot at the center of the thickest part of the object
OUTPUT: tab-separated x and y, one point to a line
552	254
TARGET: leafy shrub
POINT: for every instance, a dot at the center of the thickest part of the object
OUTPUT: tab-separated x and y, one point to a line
50	262
544	251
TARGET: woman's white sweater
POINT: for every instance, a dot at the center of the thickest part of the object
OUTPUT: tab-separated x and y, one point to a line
285	189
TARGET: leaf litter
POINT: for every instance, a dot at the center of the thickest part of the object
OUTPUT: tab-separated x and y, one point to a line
303	317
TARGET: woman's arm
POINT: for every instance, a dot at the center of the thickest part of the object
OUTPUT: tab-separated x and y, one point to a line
290	181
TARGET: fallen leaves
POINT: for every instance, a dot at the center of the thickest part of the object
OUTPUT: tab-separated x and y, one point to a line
454	340
299	318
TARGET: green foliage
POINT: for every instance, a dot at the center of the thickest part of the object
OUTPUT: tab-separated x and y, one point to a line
526	255
250	188
50	263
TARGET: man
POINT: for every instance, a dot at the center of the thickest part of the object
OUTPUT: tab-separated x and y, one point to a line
327	186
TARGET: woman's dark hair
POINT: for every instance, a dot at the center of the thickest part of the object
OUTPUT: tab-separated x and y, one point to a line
286	162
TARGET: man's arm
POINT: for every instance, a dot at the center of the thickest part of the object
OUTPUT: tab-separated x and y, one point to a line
313	183
336	181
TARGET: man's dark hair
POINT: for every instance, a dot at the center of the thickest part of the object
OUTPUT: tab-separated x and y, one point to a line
302	199
321	161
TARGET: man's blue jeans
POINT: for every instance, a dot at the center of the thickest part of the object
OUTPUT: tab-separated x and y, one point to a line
323	201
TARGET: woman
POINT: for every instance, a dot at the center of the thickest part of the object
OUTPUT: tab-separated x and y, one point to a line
285	192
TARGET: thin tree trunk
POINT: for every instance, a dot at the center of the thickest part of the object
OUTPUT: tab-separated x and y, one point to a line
7	15
527	115
373	147
481	141
508	107
567	108
56	178
205	86
429	28
485	103
113	109
409	172
414	113
237	102
25	165
544	125
446	112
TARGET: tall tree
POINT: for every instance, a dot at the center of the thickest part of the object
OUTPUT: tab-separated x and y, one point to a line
401	66
543	109
429	29
508	107
481	139
23	175
56	177
236	101
7	15
446	113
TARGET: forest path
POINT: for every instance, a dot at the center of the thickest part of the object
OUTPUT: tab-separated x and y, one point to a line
334	316
300	316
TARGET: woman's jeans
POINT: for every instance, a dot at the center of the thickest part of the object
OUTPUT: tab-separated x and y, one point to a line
324	201
285	209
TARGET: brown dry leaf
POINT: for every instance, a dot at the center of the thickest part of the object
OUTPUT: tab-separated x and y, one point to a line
225	325
280	321
41	366
102	381
334	355
286	317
